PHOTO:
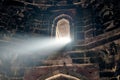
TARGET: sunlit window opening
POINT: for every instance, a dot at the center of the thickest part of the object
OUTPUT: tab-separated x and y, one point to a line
63	31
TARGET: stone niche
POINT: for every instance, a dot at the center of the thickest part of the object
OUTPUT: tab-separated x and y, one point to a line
63	72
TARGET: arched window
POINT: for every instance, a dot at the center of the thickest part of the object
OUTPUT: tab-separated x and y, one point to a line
63	29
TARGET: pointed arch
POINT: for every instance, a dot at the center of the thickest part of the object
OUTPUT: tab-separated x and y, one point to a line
63	28
62	18
62	75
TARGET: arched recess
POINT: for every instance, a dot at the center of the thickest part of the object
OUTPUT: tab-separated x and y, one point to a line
63	29
66	22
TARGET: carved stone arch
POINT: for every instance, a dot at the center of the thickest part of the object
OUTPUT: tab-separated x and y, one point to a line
66	18
63	28
62	76
72	76
57	75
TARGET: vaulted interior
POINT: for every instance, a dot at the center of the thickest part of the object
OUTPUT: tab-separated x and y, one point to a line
59	40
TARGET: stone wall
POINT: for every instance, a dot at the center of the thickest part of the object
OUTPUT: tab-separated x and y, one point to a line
85	72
